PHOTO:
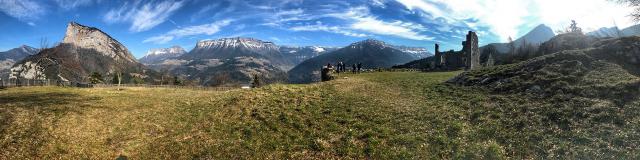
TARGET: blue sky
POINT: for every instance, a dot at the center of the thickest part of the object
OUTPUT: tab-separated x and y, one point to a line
145	24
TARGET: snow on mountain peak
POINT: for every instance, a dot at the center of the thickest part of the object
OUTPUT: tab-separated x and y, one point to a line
236	42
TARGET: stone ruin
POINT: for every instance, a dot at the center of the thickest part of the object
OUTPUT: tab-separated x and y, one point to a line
468	58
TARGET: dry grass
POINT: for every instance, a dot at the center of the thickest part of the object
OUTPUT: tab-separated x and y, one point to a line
403	115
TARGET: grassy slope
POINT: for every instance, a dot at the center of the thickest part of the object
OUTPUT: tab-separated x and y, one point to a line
378	115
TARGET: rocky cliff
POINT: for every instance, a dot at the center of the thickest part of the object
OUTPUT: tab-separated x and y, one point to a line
84	50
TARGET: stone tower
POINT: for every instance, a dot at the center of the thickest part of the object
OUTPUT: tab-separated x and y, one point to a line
471	51
438	57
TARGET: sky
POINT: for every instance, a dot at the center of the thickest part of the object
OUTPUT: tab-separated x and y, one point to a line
146	24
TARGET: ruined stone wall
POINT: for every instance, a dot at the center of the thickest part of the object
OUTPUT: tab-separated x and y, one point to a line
472	51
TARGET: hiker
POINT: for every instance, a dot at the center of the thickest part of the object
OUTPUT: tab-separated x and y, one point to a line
353	68
359	67
338	66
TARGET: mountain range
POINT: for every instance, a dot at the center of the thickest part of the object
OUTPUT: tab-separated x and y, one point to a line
234	61
371	53
614	32
227	61
158	55
536	36
10	57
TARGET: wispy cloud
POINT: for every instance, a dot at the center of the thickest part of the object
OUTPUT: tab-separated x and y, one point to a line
23	10
72	4
205	29
362	20
365	22
143	16
506	18
240	34
325	28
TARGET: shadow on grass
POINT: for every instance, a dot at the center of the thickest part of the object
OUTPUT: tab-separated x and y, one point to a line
25	118
43	99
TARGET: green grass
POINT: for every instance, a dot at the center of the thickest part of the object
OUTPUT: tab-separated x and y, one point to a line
385	115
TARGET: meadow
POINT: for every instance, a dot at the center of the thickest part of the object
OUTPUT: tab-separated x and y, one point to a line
382	115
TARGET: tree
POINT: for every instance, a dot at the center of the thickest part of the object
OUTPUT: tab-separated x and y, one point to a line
573	28
256	81
95	78
512	46
117	79
176	81
137	80
634	4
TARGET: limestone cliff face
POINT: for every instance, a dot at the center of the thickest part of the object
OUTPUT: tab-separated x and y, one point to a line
89	37
84	50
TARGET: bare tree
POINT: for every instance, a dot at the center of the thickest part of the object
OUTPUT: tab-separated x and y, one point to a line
44	43
512	46
632	3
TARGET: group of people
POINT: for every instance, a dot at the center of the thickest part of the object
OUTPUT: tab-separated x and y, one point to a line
341	67
325	74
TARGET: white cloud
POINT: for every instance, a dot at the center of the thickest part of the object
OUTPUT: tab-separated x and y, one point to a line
72	4
205	29
507	17
378	3
23	10
31	23
363	21
333	29
143	16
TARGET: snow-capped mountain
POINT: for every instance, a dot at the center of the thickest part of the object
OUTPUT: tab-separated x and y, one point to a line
606	32
227	48
417	52
19	53
232	47
10	57
300	54
370	53
158	55
616	32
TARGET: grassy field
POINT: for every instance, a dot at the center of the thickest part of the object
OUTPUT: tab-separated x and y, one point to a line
387	115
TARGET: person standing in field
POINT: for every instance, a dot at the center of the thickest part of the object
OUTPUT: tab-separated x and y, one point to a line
359	67
353	68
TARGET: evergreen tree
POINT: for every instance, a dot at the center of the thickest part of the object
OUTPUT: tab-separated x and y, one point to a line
116	79
256	81
176	81
95	78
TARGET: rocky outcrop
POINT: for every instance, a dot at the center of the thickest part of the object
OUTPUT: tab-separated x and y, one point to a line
607	70
567	41
81	36
83	50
